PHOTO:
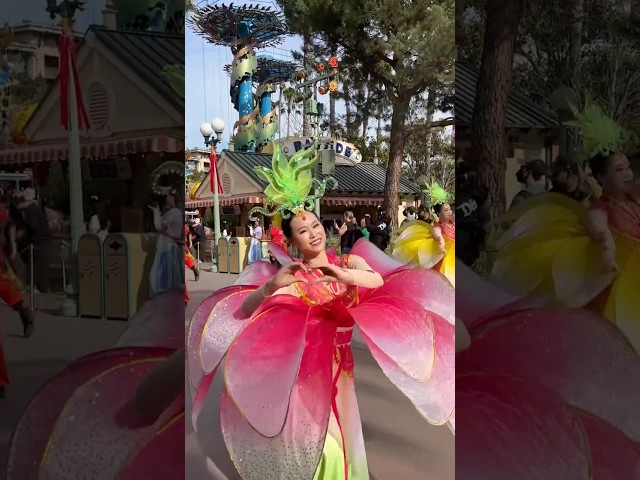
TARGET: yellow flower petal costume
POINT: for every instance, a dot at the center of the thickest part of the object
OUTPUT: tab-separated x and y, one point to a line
549	251
417	242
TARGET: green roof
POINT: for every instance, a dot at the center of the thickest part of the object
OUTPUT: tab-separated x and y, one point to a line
147	53
362	178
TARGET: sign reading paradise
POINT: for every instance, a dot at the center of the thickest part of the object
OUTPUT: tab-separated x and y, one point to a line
346	153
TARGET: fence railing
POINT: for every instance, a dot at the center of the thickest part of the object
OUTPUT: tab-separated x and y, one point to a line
63	255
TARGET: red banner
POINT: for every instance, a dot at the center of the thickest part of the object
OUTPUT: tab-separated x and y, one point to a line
214	174
67	48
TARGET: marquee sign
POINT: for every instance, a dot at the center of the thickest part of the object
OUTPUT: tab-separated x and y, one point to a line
346	153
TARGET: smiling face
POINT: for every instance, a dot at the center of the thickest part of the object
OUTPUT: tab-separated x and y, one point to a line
445	213
307	234
618	176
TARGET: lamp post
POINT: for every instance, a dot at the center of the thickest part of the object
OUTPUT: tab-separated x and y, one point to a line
207	130
66	10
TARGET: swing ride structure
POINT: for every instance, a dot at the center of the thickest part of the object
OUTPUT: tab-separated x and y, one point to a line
244	29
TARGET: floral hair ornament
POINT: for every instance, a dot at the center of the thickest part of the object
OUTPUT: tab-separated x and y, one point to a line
290	182
437	196
599	133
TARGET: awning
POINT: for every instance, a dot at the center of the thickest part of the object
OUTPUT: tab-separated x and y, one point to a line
224	201
96	148
352	201
246	199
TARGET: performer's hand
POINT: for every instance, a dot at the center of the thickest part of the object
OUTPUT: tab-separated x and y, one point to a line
335	274
286	276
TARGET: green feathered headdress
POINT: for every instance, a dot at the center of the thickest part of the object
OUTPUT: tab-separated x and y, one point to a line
437	194
289	183
598	132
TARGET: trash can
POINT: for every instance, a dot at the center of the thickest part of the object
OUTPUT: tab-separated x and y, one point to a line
238	254
223	255
91	273
128	258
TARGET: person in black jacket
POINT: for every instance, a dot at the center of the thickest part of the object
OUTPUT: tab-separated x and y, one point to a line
379	231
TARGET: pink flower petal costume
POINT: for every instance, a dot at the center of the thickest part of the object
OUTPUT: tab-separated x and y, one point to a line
82	424
545	392
289	388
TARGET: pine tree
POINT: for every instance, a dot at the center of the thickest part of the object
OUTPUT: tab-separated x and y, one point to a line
403	47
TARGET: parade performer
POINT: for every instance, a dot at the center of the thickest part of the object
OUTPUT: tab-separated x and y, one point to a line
289	408
582	256
430	245
560	381
118	413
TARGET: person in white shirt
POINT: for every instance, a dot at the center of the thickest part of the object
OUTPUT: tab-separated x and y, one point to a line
255	251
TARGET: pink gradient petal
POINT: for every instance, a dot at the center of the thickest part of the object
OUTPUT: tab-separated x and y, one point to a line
613	455
86	410
224	323
158	323
34	428
428	288
435	397
404	333
257	273
265	358
294	453
199	396
196	328
280	254
573	352
160	458
477	297
376	258
512	428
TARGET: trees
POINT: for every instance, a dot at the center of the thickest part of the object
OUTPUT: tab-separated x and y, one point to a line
403	47
494	83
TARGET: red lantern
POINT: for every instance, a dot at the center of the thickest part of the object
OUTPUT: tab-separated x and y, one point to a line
333	62
300	75
320	67
322	90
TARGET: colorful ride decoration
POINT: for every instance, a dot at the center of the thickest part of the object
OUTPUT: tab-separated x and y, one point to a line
244	29
328	81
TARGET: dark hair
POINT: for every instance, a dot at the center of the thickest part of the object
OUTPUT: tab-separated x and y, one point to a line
437	208
599	163
409	210
286	225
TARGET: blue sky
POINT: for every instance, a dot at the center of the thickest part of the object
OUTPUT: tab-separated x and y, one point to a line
207	84
14	12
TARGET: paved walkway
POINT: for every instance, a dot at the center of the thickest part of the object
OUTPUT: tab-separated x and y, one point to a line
400	444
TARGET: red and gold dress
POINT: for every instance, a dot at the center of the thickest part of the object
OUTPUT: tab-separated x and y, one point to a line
295	351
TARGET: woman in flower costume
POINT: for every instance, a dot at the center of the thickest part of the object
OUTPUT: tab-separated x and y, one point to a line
519	363
289	409
430	246
582	256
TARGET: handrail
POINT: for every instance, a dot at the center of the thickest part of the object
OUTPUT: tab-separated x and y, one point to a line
32	294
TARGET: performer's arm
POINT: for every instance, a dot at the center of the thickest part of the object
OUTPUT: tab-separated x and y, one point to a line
281	284
437	233
598	227
363	274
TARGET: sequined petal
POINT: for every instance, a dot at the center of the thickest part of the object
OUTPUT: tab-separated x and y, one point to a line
163	445
404	333
257	273
514	428
224	322
428	288
548	346
376	258
265	358
296	451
